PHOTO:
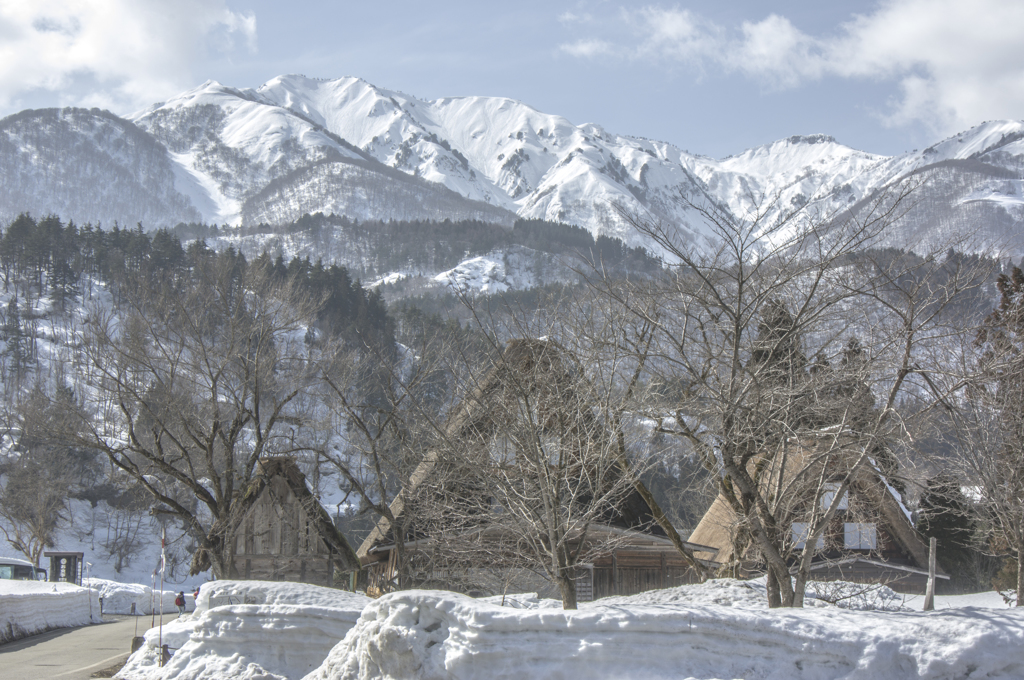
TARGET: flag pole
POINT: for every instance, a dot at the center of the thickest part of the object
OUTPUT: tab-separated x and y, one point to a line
152	609
160	600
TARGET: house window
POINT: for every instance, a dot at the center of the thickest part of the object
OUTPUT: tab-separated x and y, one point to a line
801	530
829	493
860	536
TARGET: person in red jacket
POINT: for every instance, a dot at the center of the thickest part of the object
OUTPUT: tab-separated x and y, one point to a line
180	602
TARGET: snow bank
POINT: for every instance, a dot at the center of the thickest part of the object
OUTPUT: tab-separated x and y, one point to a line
253	630
30	607
119	597
435	635
219	593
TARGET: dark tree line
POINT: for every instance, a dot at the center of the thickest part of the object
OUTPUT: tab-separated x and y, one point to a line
395	245
48	258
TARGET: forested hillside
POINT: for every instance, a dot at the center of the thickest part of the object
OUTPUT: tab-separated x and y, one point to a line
154	371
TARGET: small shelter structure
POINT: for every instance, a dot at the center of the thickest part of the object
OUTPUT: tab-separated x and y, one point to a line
282	533
66	567
633	548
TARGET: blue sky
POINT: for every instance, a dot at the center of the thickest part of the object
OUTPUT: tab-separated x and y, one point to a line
711	77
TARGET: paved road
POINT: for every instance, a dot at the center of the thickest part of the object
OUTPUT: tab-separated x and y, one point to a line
70	653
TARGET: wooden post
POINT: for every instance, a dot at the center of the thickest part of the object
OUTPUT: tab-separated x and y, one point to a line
615	574
929	597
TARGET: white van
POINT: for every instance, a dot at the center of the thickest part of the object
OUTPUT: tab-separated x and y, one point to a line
13	568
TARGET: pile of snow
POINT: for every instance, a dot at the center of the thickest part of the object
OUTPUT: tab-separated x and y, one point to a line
722	592
435	635
118	598
728	592
523	601
30	607
220	593
250	630
986	600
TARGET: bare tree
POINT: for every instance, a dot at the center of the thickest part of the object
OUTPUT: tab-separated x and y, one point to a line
749	331
380	423
38	476
34	489
989	421
189	383
540	461
537	453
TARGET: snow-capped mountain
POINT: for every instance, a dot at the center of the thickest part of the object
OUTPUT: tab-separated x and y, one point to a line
298	145
245	159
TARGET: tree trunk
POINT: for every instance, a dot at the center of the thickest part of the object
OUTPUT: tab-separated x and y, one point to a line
780	588
799	588
567	586
1020	574
803	572
774	599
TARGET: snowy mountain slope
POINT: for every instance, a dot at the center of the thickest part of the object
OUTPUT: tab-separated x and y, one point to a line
499	151
542	166
789	173
256	161
231	143
348	187
966	186
299	145
89	165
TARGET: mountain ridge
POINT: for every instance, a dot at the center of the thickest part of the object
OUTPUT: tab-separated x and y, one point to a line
298	145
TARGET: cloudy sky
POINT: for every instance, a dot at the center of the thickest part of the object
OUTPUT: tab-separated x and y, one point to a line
711	77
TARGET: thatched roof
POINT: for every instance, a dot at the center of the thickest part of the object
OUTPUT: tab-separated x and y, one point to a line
287	469
719	524
544	369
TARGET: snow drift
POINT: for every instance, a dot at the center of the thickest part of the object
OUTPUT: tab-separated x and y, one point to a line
30	607
435	635
250	630
118	598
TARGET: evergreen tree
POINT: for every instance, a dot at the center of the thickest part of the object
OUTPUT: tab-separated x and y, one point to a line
16	346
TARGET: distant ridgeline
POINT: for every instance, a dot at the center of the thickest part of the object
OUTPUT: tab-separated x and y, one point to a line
377	247
50	259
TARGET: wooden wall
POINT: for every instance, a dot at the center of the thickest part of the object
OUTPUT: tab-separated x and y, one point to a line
277	541
628	572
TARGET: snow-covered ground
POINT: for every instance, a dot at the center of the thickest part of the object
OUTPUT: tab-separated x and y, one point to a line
721	629
30	607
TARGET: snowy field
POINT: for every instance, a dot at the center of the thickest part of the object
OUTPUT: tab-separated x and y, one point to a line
30	607
722	629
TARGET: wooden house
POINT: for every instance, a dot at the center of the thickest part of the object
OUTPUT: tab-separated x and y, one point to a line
282	533
632	549
871	539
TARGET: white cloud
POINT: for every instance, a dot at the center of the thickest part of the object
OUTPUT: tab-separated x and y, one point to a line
591	47
956	62
121	54
574	18
675	34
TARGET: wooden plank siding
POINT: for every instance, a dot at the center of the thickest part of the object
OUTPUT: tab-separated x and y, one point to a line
279	542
